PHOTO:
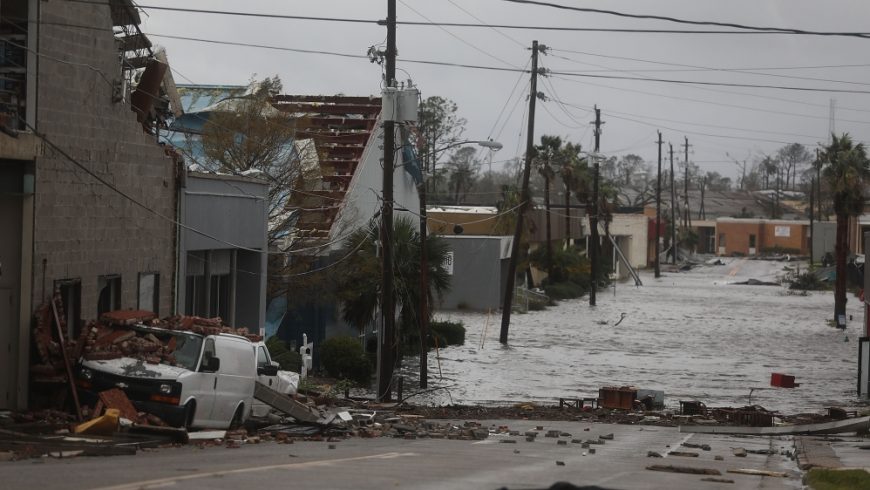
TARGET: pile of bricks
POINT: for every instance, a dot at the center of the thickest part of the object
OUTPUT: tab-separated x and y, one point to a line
111	337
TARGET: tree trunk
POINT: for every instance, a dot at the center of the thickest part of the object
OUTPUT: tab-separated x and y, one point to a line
841	250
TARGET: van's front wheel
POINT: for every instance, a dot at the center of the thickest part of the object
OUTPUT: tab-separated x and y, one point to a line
236	422
189	413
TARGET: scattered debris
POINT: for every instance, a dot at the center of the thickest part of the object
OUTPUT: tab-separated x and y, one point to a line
683	454
739	452
747	471
718	480
653	454
703	447
684	469
782	381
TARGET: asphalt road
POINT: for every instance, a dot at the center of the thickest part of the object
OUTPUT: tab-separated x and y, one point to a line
425	463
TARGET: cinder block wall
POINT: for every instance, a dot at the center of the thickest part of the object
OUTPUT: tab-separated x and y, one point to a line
82	228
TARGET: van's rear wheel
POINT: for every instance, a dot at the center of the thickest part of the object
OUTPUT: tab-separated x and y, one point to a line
236	422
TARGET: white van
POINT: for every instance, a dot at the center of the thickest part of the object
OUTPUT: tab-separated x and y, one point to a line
211	384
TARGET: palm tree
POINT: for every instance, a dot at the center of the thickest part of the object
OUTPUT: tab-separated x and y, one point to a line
360	283
548	153
846	169
572	170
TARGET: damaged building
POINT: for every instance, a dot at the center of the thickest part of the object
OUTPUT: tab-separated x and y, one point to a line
87	194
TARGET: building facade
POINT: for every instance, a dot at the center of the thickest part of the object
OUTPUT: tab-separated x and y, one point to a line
87	209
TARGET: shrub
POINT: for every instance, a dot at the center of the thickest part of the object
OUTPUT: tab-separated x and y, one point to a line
448	333
345	358
778	250
564	290
286	358
807	281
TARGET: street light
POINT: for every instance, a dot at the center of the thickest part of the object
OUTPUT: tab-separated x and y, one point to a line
424	265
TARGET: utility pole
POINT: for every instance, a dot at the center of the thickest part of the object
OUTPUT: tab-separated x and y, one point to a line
686	213
593	219
424	268
524	200
819	184
673	210
386	346
812	216
659	208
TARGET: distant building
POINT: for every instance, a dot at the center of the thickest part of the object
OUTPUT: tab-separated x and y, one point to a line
223	249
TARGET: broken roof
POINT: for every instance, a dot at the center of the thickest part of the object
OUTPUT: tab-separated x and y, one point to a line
340	128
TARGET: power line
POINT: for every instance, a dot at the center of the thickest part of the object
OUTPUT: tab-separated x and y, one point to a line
702	101
460	39
514	70
719	84
703	68
687	21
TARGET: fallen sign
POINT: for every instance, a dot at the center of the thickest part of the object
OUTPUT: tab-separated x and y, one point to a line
285	404
861	424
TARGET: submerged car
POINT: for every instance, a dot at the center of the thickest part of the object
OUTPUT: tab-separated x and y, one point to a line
209	382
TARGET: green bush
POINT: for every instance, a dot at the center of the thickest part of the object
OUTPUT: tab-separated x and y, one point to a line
286	358
777	250
564	290
345	358
448	333
807	281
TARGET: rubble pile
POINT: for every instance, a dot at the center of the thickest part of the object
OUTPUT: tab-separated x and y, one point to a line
111	337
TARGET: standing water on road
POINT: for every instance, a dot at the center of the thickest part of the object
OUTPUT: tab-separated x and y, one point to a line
694	335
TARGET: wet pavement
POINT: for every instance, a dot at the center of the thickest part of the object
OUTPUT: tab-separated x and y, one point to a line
692	334
619	462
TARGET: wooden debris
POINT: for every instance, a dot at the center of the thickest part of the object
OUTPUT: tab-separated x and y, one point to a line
739	452
684	454
718	480
748	471
684	469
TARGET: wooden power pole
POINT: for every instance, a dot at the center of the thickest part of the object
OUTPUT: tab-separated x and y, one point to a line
524	200
593	218
387	344
659	208
673	210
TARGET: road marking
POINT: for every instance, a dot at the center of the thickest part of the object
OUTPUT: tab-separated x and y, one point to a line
169	481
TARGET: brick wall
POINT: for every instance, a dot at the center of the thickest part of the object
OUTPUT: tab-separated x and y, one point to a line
737	236
82	228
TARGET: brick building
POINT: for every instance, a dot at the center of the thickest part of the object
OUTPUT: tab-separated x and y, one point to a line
60	227
756	236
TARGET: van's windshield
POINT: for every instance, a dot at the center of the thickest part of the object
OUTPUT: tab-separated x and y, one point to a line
187	345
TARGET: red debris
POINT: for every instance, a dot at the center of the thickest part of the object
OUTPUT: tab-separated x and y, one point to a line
127	317
115	398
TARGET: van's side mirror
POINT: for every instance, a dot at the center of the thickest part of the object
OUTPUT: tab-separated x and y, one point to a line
210	365
268	370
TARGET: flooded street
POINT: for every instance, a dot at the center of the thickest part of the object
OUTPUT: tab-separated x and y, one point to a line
690	334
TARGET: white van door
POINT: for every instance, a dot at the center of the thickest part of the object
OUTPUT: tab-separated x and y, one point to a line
235	380
263	360
203	384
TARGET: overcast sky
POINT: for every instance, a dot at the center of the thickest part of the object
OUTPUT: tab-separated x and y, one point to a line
743	122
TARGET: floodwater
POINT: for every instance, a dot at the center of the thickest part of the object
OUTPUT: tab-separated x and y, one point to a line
691	334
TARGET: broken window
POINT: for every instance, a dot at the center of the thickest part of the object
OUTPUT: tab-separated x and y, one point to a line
110	293
71	296
194	298
149	292
262	357
751	241
721	239
208	352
